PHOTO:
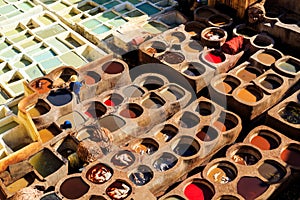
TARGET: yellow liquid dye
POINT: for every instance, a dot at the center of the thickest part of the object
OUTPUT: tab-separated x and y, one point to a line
17	185
247	96
34	112
46	135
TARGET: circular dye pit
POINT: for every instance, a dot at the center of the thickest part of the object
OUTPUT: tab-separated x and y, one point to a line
271	82
207	134
290	65
91	78
175	37
215	57
153	102
199	191
266	58
167	133
123	159
194	69
266	140
205	108
291	113
218	20
113	67
189	120
153	83
99	174
141	176
263	41
223	172
59	97
40	108
174	197
227	85
156	47
173	57
214	34
226	122
95	109
291	155
74	188
147	146
186	146
133	91
246	155
246	32
94	197
131	110
249	73
228	197
193	46
119	190
251	187
113	100
250	94
42	85
272	171
165	162
51	196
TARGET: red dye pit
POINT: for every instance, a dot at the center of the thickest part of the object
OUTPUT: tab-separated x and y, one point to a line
261	142
109	102
198	191
213	58
291	157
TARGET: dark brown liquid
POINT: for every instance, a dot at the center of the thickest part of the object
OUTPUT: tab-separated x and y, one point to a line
74	188
113	67
272	172
251	187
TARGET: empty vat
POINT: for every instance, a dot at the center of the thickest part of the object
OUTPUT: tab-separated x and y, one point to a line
141	175
153	83
74	117
74	188
194	69
186	146
258	187
45	162
271	81
226	121
99	173
205	108
246	155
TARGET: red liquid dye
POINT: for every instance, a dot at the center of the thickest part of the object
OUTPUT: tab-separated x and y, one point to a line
220	126
198	191
261	142
88	114
109	102
291	157
213	58
89	80
128	113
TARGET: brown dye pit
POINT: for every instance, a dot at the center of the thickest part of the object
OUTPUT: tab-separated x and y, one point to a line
266	140
167	133
123	159
112	122
40	108
266	58
272	171
207	134
94	197
95	110
251	187
218	20
132	111
99	174
272	82
165	162
141	176
119	190
147	146
244	158
291	155
227	85
249	73
74	188
261	41
113	67
221	174
49	133
173	57
189	120
42	85
91	78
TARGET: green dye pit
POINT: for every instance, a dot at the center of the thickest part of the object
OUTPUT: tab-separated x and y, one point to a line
51	31
91	23
73	42
86	7
34	72
101	29
29	43
14	31
125	10
72	59
107	16
44	56
100	2
10	53
51	63
111	4
36	50
154	28
59	45
117	22
45	162
46	20
148	9
134	13
59	6
22	63
7	9
25	6
8	126
132	1
3	45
